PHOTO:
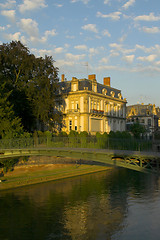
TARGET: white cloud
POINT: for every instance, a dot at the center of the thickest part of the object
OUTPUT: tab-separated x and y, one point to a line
144	49
114	53
30	27
31	5
83	1
128	4
50	33
41	52
59	5
115	45
73	57
90	27
70	37
93	51
115	16
109	67
122	39
149	58
81	47
106	33
2	28
104	60
151	30
106	1
58	50
62	62
8	4
120	48
129	58
9	14
148	18
13	37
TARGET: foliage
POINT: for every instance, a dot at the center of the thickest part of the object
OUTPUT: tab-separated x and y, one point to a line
10	125
8	164
73	138
33	82
62	134
137	129
83	136
157	135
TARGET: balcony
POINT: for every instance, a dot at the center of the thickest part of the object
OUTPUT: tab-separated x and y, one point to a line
73	110
96	112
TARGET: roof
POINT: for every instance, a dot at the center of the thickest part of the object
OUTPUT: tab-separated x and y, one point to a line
86	84
141	110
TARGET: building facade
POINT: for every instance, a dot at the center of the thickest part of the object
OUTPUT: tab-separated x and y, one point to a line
145	115
92	107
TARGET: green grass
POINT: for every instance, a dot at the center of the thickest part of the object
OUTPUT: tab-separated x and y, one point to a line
39	176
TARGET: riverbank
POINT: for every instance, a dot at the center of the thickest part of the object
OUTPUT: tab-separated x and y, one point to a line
23	175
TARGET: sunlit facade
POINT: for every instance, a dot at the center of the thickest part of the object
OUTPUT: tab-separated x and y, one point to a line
147	115
92	107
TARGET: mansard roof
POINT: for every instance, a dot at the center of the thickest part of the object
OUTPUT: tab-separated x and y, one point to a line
141	110
86	84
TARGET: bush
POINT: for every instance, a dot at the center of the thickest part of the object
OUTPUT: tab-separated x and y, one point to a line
73	138
100	140
83	136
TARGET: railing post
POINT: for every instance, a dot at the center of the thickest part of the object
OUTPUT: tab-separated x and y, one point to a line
141	163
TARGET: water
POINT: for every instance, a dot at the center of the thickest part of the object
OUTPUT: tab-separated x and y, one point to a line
118	204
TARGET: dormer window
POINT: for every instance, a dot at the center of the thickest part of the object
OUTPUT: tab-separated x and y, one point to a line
119	95
104	91
112	94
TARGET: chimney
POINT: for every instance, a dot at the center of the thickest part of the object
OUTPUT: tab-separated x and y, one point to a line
62	77
106	81
92	77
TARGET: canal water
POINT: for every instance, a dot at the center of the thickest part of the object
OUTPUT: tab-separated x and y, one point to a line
118	204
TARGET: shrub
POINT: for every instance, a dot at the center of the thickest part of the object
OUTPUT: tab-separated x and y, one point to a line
83	136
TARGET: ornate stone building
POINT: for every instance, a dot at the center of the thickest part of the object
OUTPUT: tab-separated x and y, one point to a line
145	115
91	106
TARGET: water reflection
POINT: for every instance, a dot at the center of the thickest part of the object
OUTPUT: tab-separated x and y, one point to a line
117	204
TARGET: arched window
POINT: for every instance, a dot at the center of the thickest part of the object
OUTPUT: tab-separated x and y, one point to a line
112	93
104	91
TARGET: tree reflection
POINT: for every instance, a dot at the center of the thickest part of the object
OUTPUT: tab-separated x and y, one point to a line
87	207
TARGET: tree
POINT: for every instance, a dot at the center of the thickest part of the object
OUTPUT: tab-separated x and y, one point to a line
137	129
33	82
10	126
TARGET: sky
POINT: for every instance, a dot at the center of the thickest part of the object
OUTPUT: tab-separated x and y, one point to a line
110	38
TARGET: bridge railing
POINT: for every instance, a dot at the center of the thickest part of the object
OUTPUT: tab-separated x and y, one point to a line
77	142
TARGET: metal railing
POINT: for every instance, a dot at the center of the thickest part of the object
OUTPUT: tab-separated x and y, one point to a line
78	142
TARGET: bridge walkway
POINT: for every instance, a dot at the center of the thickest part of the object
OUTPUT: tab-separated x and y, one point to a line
148	162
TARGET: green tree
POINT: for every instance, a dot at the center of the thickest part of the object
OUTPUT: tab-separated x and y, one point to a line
137	129
10	126
33	82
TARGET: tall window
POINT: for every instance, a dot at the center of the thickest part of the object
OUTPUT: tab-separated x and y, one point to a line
70	125
149	122
72	104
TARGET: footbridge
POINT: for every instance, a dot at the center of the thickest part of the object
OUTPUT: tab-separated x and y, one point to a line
147	162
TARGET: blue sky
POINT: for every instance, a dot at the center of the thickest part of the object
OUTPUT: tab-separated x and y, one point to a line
116	38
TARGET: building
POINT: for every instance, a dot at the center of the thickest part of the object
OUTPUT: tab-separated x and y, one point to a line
145	115
91	106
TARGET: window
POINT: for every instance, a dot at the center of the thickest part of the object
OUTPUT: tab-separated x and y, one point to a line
72	105
97	105
112	93
149	122
70	125
75	124
104	91
142	121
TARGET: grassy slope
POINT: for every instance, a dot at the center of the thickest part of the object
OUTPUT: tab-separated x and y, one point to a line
27	175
